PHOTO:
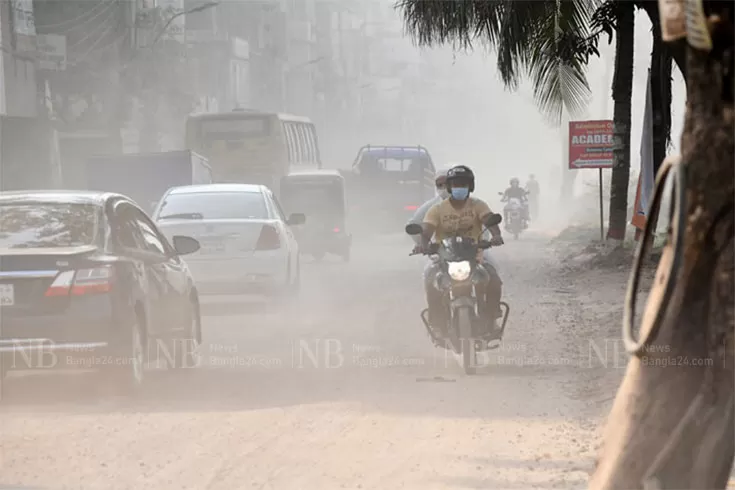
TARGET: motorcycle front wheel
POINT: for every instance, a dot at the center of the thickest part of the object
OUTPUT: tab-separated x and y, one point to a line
464	328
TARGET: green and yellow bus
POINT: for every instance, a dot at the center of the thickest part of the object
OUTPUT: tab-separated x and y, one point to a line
254	147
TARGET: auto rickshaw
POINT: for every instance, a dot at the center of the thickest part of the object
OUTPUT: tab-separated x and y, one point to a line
320	195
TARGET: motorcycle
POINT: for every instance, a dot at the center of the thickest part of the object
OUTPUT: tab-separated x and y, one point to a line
516	221
458	274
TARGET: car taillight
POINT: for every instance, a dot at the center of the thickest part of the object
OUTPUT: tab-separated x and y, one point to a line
81	282
336	230
269	239
410	208
61	285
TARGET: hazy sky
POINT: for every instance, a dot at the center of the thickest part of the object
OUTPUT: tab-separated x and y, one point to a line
483	124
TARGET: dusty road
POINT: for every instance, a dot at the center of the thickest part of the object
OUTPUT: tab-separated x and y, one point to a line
338	391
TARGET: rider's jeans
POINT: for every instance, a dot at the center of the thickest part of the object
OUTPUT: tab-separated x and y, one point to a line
438	312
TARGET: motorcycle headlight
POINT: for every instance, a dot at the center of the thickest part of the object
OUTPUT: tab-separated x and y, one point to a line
459	271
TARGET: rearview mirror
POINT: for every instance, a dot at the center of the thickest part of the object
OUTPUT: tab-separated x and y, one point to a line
414	229
493	220
185	245
296	219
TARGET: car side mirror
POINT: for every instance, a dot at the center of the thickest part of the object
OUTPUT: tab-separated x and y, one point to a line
185	245
493	220
296	219
414	229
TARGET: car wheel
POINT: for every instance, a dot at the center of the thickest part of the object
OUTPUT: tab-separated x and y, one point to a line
296	286
188	353
2	378
127	373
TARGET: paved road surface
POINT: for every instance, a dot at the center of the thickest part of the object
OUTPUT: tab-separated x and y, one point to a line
337	390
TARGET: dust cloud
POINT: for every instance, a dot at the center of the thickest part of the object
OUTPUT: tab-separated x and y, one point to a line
340	386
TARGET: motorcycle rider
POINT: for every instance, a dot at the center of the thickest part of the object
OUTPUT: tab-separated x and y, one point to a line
517	192
461	215
532	188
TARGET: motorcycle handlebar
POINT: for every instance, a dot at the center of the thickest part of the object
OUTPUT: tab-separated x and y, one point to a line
482	244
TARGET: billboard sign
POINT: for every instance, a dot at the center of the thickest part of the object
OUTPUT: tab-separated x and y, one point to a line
52	51
590	144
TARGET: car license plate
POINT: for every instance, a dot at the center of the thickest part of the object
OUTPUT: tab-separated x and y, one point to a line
7	295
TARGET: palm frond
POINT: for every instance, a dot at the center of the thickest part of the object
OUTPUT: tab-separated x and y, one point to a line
557	61
432	22
547	40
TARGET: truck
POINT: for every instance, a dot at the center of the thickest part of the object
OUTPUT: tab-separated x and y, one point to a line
387	184
145	177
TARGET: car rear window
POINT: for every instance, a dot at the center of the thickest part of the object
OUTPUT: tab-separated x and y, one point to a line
213	205
48	225
409	169
308	198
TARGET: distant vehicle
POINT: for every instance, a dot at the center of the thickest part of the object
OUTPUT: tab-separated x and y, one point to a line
253	147
320	195
144	177
247	242
88	280
516	222
387	184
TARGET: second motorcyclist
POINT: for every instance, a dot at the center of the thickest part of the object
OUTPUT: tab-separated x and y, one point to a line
440	181
515	191
461	215
532	189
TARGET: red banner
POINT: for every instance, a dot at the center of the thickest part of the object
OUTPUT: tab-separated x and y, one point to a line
639	215
590	144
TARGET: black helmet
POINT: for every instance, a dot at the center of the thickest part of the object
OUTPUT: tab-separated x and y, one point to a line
461	174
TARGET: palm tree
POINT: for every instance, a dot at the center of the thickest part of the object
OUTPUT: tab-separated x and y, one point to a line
551	41
546	40
622	92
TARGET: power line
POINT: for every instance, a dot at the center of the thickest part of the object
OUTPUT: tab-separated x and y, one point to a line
96	29
94	50
81	20
91	49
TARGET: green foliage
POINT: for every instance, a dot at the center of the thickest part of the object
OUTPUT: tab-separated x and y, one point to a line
550	41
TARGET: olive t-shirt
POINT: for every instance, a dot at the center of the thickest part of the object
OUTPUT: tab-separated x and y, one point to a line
464	221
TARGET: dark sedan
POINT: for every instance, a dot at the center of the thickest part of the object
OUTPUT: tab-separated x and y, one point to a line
88	281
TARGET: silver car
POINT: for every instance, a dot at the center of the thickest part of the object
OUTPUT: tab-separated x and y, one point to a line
247	245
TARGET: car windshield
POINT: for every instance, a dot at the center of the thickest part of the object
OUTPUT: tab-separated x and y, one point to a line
213	205
48	225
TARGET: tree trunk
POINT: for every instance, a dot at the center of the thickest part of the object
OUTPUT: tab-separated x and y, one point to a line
676	50
622	95
660	99
661	67
675	423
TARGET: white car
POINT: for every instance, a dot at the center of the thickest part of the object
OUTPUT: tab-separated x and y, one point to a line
247	245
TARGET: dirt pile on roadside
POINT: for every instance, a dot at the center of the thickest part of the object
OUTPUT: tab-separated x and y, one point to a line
578	249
